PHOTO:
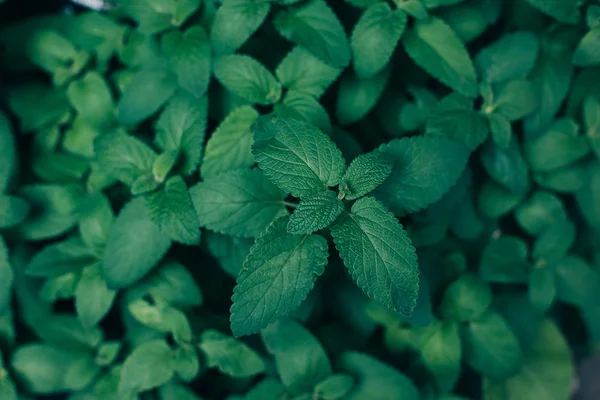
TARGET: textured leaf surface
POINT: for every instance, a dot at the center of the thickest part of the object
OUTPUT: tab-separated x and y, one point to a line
296	156
171	208
364	174
287	340
247	78
374	38
315	213
434	46
124	262
315	26
424	169
235	21
277	276
378	254
239	203
229	147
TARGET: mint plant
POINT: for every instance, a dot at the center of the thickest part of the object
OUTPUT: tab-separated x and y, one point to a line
299	199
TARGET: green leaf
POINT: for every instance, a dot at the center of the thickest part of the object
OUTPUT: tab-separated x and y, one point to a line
547	371
93	299
182	127
228	250
229	147
458	121
378	254
149	365
124	156
504	260
301	105
44	369
235	21
587	52
315	26
172	209
239	203
539	212
173	283
300	359
278	274
576	282
334	387
500	129
188	54
186	362
124	263
434	46
495	200
148	90
154	16
13	210
514	100
490	347
513	56
466	299
91	97
231	356
424	169
567	179
144	184
296	156
38	106
357	97
163	318
374	38
559	146
164	164
247	78
53	210
268	389
551	80
314	213
440	349
6	281
506	166
365	173
376	380
542	288
566	11
60	258
302	72
554	242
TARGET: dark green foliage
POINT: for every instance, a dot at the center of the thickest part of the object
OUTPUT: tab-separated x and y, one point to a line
299	199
